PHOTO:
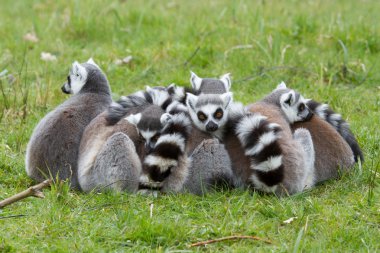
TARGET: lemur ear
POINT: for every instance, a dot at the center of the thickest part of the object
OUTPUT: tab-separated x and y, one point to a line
78	70
134	119
227	99
282	85
288	98
226	79
191	100
148	89
172	86
165	118
92	62
195	81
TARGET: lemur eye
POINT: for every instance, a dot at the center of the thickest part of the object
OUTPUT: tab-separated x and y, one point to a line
218	114
201	116
301	107
155	138
288	100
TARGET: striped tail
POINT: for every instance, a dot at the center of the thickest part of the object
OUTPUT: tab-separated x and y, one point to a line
259	139
335	120
163	97
168	158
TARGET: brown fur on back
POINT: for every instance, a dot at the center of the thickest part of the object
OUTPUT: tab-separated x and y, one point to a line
331	151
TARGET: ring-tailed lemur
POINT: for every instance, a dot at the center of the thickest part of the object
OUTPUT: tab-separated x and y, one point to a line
53	146
263	151
299	109
103	166
210	164
332	151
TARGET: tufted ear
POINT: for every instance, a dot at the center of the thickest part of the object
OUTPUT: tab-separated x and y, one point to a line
288	98
195	81
134	119
92	62
226	79
227	99
282	85
165	118
191	101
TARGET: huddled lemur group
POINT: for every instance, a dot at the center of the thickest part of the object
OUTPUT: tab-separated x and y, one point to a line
175	139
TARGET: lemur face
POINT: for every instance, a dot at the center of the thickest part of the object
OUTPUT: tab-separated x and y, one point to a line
149	128
77	77
294	106
209	112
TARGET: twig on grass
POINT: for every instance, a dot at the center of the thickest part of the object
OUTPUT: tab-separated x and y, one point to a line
234	237
34	191
13	216
191	56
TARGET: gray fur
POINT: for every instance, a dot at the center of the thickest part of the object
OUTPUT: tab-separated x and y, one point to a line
117	166
107	147
53	146
210	168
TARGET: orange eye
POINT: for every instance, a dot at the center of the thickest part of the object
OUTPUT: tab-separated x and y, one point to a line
202	116
218	114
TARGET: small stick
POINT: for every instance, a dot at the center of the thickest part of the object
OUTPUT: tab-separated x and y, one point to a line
234	237
191	56
34	191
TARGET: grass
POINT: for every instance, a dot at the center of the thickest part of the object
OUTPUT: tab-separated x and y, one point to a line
328	50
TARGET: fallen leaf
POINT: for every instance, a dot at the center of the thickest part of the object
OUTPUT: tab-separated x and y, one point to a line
290	220
32	37
45	56
126	60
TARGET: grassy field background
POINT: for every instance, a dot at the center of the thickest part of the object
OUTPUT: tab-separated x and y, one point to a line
328	50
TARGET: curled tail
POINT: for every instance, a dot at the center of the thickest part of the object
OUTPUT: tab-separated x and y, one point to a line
163	97
166	167
259	139
335	120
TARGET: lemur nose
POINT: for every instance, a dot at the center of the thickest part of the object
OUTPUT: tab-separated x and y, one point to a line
211	126
64	90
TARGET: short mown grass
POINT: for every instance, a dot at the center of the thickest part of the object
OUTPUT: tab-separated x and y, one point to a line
328	50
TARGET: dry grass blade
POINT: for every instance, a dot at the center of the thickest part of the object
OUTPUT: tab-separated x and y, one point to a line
227	238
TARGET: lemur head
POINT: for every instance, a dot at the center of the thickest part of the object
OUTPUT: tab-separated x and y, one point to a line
85	77
210	85
209	112
149	124
293	104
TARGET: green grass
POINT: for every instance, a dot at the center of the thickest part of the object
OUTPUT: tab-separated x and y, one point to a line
328	50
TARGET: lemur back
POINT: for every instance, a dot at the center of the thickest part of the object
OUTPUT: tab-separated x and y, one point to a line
332	151
53	146
291	101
